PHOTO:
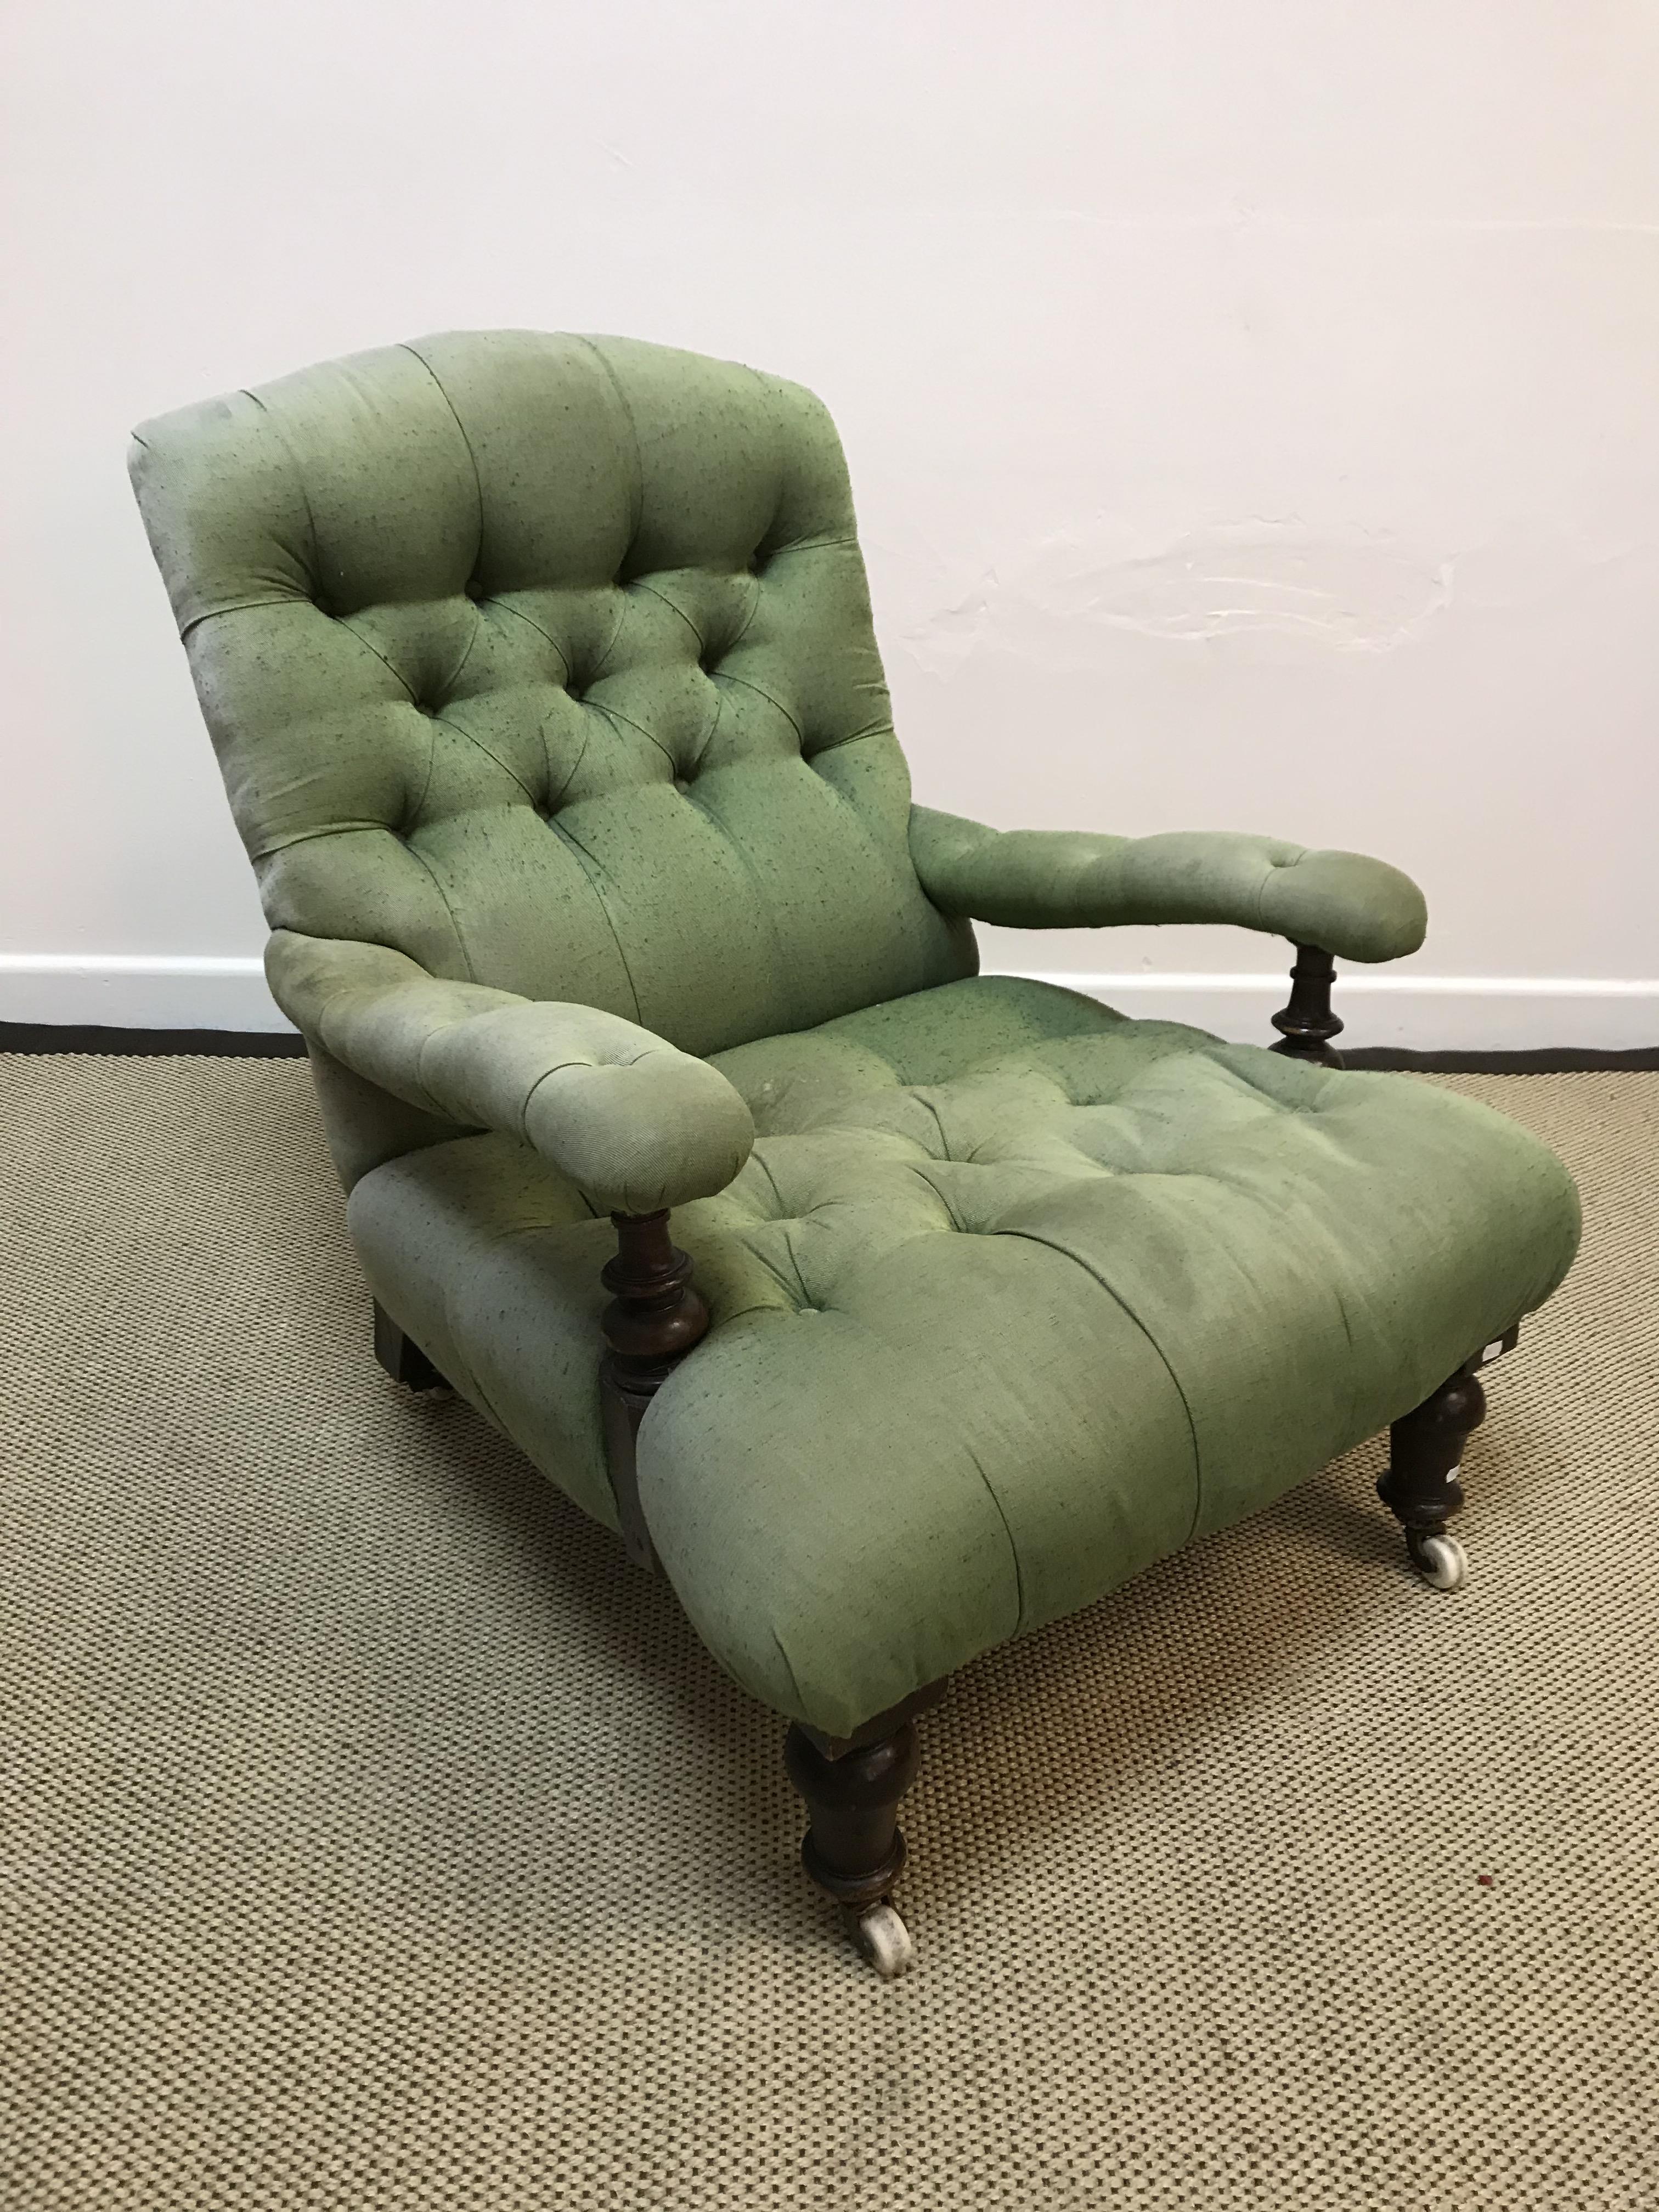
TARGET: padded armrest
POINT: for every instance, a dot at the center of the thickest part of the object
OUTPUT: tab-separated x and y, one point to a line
635	1123
1360	909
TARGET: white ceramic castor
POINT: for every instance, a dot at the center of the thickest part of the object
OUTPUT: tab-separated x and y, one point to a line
885	1941
1441	1560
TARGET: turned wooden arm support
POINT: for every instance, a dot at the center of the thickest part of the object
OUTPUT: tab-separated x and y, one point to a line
655	1316
1307	1025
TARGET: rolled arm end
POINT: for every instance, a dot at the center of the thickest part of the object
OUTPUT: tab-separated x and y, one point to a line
637	1135
1347	903
635	1123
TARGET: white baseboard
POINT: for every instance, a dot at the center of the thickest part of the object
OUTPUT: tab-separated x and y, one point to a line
1413	1012
138	991
1423	1014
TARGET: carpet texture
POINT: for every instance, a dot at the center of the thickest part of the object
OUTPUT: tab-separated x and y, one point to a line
372	1835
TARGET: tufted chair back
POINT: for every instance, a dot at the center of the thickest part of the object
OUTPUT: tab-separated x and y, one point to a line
548	661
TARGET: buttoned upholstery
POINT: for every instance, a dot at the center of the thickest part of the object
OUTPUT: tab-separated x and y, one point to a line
542	675
549	661
1013	1296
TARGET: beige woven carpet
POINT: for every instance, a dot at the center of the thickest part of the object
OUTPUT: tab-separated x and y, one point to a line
374	1837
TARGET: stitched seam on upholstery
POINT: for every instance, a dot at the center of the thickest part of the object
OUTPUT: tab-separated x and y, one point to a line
564	658
777	1643
1348	1338
592	1066
748	683
310	836
542	1228
346	623
777	966
702	807
443	1029
477	479
431	749
556	798
640	584
923	1176
281	436
814	544
1261	895
443	900
928	1106
241	606
459	669
794	1262
609	644
766	398
857	738
766	394
436	719
546	1076
461	1021
708	737
766	1170
616	714
1049	1244
419	807
747	623
591	868
615	382
861	818
792	1289
1013	1548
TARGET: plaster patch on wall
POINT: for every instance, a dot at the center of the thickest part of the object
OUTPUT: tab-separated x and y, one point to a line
1255	578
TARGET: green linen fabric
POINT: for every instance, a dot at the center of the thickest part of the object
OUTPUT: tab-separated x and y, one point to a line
1013	1296
634	1123
1351	905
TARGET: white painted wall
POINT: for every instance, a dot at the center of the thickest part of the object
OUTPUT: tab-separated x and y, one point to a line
1253	412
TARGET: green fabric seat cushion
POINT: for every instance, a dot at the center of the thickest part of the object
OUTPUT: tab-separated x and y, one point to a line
1014	1297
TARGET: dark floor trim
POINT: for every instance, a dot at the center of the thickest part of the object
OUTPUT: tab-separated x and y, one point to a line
279	1044
1548	1060
213	1044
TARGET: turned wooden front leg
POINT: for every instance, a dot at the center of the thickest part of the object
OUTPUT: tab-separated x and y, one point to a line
853	1848
1420	1486
655	1317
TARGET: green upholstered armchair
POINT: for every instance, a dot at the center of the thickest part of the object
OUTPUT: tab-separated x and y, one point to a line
541	673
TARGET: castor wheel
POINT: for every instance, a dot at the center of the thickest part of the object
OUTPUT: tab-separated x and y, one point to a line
885	1940
1439	1559
1420	1485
